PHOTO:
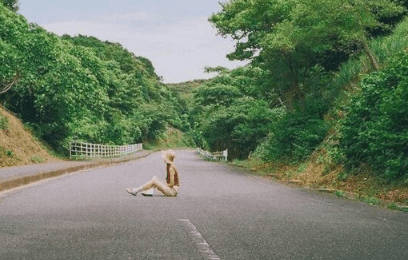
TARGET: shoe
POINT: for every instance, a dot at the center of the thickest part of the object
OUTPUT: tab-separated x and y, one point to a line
148	193
130	191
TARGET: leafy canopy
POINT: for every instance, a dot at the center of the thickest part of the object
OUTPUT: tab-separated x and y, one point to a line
291	38
274	26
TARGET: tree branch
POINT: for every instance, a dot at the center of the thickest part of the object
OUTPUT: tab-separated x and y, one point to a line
7	87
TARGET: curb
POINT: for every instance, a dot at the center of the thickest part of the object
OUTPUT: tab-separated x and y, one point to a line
20	181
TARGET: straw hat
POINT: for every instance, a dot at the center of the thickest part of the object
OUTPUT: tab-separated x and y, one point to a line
169	156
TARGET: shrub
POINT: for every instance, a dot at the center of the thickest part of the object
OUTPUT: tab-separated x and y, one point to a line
294	137
375	130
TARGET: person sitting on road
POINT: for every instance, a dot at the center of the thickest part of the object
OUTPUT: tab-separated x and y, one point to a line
171	187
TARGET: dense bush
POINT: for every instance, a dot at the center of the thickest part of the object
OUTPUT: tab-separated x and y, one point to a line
375	130
294	137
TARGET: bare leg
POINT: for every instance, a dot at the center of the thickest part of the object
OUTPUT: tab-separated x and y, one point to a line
153	183
162	187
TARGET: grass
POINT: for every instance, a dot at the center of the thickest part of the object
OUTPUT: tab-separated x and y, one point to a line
369	200
385	47
3	122
395	206
37	159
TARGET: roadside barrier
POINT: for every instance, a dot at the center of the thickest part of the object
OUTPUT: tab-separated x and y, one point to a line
80	150
223	155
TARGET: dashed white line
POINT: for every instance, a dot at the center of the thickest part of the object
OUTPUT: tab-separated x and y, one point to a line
202	246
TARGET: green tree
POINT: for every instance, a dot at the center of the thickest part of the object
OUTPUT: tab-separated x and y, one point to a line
13	29
66	87
218	95
285	37
239	127
11	4
232	111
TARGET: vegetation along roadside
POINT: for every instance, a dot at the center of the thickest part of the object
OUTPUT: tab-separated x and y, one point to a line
322	101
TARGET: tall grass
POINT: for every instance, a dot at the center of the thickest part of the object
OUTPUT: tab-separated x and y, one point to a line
351	71
385	47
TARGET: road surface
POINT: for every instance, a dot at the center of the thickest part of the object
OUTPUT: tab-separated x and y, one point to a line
220	213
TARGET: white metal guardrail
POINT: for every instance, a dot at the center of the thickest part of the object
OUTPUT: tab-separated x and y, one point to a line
80	150
223	155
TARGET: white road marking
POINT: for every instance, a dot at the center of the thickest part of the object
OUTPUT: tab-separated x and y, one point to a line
202	246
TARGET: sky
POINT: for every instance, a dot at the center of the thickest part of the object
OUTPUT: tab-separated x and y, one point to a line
174	34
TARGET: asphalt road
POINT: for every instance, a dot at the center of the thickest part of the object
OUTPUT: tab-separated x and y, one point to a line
220	213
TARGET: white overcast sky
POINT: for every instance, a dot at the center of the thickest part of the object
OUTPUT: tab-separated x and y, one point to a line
174	34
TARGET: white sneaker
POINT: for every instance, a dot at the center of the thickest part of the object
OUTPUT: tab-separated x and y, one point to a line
148	192
130	191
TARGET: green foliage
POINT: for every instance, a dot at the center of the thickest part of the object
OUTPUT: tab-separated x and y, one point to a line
12	37
289	38
13	5
288	26
370	200
37	159
375	130
294	137
395	206
172	138
233	111
66	87
387	46
239	127
238	109
3	122
82	87
339	193
218	95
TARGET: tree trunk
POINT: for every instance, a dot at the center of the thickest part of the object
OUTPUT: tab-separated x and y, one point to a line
370	55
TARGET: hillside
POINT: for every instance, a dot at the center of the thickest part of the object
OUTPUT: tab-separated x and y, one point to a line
186	88
79	87
17	145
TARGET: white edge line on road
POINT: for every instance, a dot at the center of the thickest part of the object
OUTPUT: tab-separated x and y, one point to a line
202	246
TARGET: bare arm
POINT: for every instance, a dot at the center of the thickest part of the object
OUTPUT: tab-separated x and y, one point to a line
172	172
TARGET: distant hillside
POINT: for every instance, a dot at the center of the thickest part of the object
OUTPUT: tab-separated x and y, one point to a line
186	88
17	145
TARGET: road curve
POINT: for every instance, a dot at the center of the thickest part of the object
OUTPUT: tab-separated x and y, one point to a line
220	213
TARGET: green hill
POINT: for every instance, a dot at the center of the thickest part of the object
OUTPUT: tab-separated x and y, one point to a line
80	87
